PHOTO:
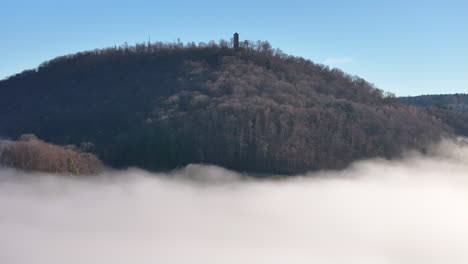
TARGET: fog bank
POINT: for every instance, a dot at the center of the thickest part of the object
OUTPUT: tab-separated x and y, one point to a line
413	210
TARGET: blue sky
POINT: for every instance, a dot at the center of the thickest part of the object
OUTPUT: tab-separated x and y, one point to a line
404	47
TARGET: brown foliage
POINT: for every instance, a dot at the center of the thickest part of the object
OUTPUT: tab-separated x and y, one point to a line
30	153
288	119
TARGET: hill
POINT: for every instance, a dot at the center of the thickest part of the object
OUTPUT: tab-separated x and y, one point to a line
457	102
164	105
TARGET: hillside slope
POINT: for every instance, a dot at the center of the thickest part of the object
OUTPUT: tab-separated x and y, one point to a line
452	109
160	106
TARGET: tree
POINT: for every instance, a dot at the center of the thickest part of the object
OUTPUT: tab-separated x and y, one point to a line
71	166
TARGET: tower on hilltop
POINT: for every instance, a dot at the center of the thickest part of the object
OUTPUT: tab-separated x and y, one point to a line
236	41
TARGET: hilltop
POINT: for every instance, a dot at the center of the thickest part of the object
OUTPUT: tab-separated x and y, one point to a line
164	105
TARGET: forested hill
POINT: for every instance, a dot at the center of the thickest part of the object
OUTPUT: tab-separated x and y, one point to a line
163	105
457	102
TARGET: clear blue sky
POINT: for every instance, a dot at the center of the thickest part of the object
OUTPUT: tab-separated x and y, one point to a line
406	47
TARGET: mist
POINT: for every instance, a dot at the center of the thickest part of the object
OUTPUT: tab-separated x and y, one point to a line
411	210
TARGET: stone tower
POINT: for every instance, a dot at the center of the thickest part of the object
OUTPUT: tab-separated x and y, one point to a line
236	41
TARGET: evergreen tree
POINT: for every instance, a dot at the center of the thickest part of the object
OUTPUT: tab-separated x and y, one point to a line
72	168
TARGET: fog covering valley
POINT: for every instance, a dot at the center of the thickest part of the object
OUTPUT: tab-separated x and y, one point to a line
412	210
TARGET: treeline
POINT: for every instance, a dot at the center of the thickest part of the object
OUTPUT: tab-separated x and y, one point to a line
164	105
165	48
30	153
261	52
457	102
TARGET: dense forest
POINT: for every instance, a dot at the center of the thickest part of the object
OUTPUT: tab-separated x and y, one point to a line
164	105
452	109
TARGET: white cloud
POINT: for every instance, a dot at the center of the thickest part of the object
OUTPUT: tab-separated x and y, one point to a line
337	61
380	212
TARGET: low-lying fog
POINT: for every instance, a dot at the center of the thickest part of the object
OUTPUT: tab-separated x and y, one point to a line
409	211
